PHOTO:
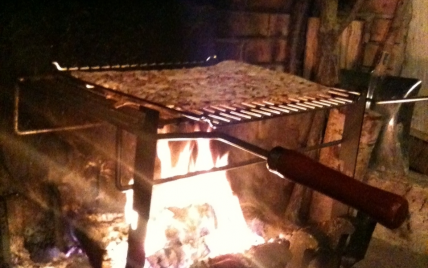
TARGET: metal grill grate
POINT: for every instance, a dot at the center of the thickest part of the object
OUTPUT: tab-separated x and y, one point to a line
220	114
250	111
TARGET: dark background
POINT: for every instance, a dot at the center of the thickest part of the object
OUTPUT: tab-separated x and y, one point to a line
77	33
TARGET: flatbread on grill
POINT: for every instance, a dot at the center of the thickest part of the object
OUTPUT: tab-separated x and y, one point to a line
226	83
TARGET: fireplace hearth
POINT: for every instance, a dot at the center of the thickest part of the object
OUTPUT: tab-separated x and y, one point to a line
72	172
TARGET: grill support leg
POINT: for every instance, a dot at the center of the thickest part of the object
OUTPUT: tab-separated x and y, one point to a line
348	153
143	182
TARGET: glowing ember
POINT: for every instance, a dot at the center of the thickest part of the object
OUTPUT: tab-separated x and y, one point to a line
196	217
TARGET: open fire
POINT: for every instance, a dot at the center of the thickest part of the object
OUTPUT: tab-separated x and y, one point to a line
198	218
193	218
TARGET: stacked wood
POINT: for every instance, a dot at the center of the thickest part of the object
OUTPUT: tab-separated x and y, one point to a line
350	56
353	34
298	209
323	207
296	38
350	45
370	130
328	36
311	51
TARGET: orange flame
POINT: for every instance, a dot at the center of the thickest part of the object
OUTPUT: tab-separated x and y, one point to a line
225	229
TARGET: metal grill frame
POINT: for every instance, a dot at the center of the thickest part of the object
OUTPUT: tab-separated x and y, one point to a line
222	115
215	115
143	123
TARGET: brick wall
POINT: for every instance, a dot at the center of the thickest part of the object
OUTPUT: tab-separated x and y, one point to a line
257	31
378	16
252	36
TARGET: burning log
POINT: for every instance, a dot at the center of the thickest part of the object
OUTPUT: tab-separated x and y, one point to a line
274	254
227	261
301	241
185	231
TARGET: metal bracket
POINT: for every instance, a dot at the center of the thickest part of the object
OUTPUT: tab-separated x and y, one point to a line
44	130
118	172
209	60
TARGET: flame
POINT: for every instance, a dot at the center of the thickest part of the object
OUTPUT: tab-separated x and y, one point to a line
206	201
131	216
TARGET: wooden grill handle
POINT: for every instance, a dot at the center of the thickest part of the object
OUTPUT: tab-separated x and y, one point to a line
386	208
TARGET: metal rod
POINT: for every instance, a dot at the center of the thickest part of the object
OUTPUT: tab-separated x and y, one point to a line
44	130
414	99
320	146
374	81
118	173
351	135
235	142
202	172
144	166
209	59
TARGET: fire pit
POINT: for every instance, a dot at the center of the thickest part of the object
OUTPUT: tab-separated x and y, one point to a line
185	230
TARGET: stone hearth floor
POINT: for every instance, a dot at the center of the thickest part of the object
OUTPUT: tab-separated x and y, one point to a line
406	247
384	255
